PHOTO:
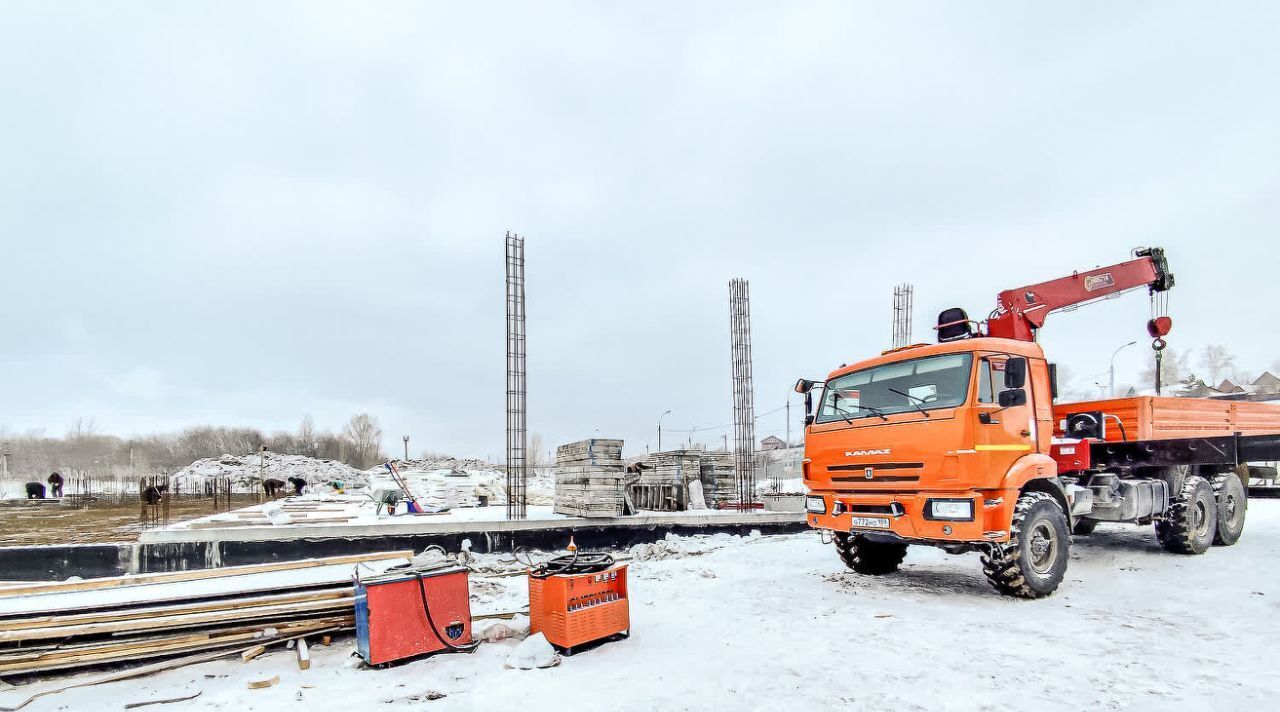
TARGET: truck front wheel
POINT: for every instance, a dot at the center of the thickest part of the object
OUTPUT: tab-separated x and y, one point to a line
869	557
1192	520
1034	560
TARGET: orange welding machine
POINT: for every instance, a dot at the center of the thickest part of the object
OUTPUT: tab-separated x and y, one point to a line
412	611
579	598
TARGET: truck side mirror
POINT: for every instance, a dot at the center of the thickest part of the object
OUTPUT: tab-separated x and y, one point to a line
1015	373
1012	397
804	386
1053	381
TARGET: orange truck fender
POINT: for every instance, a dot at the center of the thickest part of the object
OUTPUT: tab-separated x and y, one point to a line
1032	472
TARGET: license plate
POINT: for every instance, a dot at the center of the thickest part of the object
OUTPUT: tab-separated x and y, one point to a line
869	523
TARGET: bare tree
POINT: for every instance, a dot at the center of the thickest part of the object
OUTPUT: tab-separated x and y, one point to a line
1069	385
363	436
1216	363
534	455
308	440
83	427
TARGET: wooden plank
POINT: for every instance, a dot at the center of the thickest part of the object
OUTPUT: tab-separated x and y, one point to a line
183	591
118	645
304	655
186	620
129	674
138	653
179	609
268	682
170	577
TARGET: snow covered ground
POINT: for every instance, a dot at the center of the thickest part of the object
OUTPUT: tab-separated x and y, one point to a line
777	622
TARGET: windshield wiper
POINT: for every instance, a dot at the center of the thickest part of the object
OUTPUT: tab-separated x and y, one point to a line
860	407
912	401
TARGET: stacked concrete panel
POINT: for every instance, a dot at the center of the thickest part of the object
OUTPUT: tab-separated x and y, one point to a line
589	476
719	480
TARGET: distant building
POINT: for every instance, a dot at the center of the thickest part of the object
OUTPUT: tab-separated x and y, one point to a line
773	442
1263	388
1266	384
1228	387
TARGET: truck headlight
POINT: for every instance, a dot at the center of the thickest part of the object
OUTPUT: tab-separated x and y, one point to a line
815	505
959	510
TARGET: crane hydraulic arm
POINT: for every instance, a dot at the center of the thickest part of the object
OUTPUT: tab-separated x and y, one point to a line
1019	312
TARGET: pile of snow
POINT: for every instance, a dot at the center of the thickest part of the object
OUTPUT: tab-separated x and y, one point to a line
533	652
681	546
246	471
460	482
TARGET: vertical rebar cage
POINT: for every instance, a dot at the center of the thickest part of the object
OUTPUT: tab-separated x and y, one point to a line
517	428
744	422
903	296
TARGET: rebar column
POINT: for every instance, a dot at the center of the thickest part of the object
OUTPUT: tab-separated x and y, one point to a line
744	421
517	385
903	296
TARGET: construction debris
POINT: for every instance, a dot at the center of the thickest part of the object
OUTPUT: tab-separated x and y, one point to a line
589	478
58	626
267	682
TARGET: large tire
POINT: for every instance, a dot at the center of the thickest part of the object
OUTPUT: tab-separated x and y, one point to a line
869	557
1192	520
1233	503
1084	527
1034	561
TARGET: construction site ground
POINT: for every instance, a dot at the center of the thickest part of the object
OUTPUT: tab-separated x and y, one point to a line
37	522
762	623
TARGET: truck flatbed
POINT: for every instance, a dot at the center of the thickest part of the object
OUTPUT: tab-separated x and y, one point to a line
1166	418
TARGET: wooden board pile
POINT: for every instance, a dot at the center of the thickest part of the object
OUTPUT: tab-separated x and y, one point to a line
589	476
59	626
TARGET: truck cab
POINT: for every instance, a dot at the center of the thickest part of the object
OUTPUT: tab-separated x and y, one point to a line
932	443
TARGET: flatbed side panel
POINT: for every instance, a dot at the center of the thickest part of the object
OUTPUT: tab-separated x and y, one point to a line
1224	450
1165	418
1256	418
1188	418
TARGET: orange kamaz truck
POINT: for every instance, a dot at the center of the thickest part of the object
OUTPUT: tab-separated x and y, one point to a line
962	445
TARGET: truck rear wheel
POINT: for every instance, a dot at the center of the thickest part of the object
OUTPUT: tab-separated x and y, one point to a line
1192	520
1233	502
869	557
1034	560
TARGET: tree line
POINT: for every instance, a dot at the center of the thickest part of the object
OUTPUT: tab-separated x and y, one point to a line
83	450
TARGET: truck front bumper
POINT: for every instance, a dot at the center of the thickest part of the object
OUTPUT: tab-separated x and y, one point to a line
909	516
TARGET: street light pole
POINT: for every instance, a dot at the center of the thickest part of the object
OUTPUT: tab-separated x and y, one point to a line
660	417
1113	366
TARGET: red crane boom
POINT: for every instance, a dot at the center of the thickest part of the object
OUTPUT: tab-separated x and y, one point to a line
1019	312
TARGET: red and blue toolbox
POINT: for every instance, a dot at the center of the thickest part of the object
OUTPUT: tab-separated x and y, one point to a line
413	611
578	599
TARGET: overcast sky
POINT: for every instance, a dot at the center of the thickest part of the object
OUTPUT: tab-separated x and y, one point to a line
241	213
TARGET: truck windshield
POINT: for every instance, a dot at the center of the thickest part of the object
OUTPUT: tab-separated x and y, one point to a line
920	384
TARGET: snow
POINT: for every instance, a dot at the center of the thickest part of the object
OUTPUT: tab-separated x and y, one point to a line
359	510
762	623
246	471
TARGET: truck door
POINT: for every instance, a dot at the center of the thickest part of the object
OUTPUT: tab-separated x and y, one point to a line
1001	436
